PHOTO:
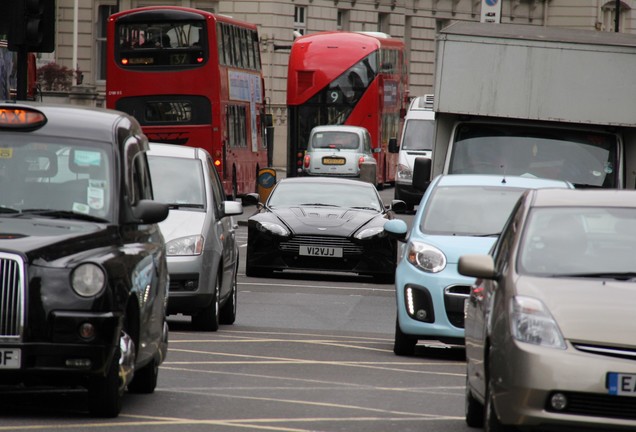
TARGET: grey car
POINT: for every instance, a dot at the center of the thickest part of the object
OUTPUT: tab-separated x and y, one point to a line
203	256
337	150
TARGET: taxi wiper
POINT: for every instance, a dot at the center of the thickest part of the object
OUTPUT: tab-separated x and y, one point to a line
612	275
62	214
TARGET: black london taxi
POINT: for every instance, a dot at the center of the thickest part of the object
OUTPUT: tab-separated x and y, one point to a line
83	273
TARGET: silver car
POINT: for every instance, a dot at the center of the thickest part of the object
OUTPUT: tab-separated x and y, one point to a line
337	150
199	232
549	325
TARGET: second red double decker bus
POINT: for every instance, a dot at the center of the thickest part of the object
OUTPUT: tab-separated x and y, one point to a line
192	78
351	78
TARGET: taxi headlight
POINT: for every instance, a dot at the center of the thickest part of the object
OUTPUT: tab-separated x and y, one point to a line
531	322
88	280
191	245
369	232
273	228
425	257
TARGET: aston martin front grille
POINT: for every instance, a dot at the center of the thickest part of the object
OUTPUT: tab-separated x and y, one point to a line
348	247
12	286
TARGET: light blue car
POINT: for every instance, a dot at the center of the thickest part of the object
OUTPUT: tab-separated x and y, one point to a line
458	214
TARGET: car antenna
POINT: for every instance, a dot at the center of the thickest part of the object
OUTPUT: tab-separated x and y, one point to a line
503	180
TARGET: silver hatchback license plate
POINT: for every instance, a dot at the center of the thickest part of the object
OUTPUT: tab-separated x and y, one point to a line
320	251
621	384
10	358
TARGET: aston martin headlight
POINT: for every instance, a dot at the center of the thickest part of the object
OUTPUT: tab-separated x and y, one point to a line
425	257
531	322
273	228
191	245
370	232
88	280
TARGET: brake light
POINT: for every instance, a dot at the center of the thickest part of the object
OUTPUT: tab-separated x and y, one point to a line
217	162
307	159
21	118
360	161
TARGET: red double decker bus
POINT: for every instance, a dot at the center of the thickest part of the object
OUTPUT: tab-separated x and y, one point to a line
348	78
192	78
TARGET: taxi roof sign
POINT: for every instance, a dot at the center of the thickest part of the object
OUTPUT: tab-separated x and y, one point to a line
21	118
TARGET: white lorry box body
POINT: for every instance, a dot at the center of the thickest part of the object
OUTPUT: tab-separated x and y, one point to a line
560	101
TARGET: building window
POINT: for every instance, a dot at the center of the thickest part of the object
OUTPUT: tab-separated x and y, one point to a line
342	20
609	16
300	19
384	24
103	12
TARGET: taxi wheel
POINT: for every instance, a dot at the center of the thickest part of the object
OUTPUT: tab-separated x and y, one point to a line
105	393
207	319
404	345
228	311
474	410
145	379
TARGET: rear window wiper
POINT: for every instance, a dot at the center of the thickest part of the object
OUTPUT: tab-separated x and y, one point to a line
62	214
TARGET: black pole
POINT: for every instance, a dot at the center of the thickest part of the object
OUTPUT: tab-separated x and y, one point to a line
23	59
617	15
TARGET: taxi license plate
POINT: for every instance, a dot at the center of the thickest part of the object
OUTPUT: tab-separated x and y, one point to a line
9	358
621	384
333	161
320	251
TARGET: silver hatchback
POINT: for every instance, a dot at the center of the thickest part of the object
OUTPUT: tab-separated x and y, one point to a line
199	232
337	150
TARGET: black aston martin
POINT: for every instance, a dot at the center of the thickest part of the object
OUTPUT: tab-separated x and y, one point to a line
322	224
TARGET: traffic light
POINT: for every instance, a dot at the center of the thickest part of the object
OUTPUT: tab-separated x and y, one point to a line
32	25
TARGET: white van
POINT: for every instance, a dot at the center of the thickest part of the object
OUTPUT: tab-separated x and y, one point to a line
416	141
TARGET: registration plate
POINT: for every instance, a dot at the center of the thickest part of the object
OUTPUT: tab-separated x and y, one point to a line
9	358
621	384
320	251
333	161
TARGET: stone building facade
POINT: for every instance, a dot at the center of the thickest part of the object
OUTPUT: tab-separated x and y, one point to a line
81	32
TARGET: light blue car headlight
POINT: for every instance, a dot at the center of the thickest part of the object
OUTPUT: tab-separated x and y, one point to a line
191	245
369	232
273	228
425	257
